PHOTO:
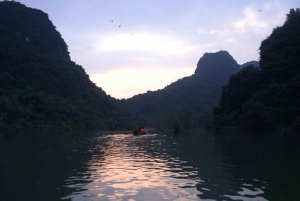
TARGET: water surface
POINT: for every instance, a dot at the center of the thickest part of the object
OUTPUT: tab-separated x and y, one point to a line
192	166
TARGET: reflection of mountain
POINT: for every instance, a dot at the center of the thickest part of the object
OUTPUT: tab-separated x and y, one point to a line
35	168
265	167
199	149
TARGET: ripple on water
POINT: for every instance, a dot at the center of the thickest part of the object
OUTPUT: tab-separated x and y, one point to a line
124	168
153	167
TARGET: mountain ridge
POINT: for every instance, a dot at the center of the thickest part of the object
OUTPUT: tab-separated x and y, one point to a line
196	93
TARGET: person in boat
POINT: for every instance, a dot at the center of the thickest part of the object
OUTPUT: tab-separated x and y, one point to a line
143	130
136	130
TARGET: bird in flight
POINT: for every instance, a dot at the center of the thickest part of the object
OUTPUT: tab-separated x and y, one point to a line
112	21
259	10
119	26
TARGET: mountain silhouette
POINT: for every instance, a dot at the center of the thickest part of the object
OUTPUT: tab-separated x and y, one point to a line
196	93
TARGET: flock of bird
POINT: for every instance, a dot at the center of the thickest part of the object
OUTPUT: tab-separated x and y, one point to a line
113	21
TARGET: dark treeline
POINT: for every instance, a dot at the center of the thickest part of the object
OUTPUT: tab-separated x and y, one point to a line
268	97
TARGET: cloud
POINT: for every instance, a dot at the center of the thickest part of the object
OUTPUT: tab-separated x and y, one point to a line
251	21
209	31
245	27
261	21
145	59
143	41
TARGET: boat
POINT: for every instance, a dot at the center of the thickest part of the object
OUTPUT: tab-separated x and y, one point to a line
140	131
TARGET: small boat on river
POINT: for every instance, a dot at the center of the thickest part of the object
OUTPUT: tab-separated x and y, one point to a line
140	131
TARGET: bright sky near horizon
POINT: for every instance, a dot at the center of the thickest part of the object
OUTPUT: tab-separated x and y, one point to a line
159	41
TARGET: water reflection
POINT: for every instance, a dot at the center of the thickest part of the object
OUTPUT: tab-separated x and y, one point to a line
192	166
265	166
34	168
164	167
128	167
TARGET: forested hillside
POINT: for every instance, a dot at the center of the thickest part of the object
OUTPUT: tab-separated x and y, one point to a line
267	97
39	85
189	96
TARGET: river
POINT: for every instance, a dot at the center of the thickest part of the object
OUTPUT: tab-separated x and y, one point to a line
196	165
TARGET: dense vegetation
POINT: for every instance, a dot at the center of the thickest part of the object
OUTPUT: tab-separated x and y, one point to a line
189	99
267	97
40	87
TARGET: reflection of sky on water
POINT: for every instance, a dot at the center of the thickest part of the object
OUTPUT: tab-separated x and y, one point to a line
128	167
159	167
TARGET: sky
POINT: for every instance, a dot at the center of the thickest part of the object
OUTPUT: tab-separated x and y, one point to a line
128	47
